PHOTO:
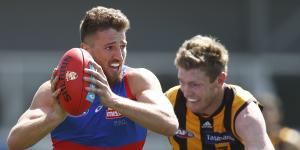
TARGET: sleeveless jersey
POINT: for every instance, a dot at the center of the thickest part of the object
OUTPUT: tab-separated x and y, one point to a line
216	132
100	127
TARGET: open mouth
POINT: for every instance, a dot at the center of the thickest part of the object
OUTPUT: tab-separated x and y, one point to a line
115	66
191	100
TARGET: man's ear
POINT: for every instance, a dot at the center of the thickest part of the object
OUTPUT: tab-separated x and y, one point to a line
222	77
84	46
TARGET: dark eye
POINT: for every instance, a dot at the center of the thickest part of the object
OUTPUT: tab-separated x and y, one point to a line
108	47
181	83
195	85
122	46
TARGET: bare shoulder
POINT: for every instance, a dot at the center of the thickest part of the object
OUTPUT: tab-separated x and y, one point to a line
141	73
250	126
249	116
142	81
142	78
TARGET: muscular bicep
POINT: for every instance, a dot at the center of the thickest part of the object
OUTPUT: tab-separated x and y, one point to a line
250	126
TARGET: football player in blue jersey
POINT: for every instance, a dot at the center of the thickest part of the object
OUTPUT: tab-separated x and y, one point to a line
128	100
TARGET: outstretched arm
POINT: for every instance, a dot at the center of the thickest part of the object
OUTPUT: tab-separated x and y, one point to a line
250	126
43	115
152	108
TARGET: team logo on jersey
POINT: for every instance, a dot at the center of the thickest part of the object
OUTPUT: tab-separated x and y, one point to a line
98	108
181	133
70	75
113	114
206	125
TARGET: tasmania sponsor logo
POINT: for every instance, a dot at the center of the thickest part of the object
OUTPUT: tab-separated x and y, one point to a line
181	133
214	138
113	114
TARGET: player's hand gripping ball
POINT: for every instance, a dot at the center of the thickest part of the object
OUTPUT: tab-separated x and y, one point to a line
73	97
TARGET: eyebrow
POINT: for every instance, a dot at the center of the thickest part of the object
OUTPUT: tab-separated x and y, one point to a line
111	43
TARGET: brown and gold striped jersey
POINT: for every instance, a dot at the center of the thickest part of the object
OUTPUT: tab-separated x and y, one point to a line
216	132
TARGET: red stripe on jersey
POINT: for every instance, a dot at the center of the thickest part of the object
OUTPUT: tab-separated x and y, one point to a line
128	91
64	145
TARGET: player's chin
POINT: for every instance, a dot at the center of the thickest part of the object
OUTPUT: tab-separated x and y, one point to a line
195	108
193	105
114	75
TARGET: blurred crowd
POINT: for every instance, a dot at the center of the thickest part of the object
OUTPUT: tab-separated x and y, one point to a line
282	136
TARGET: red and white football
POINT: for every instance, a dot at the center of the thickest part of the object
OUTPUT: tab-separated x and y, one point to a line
73	97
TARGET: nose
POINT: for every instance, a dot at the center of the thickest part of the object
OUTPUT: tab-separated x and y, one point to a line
186	91
119	54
